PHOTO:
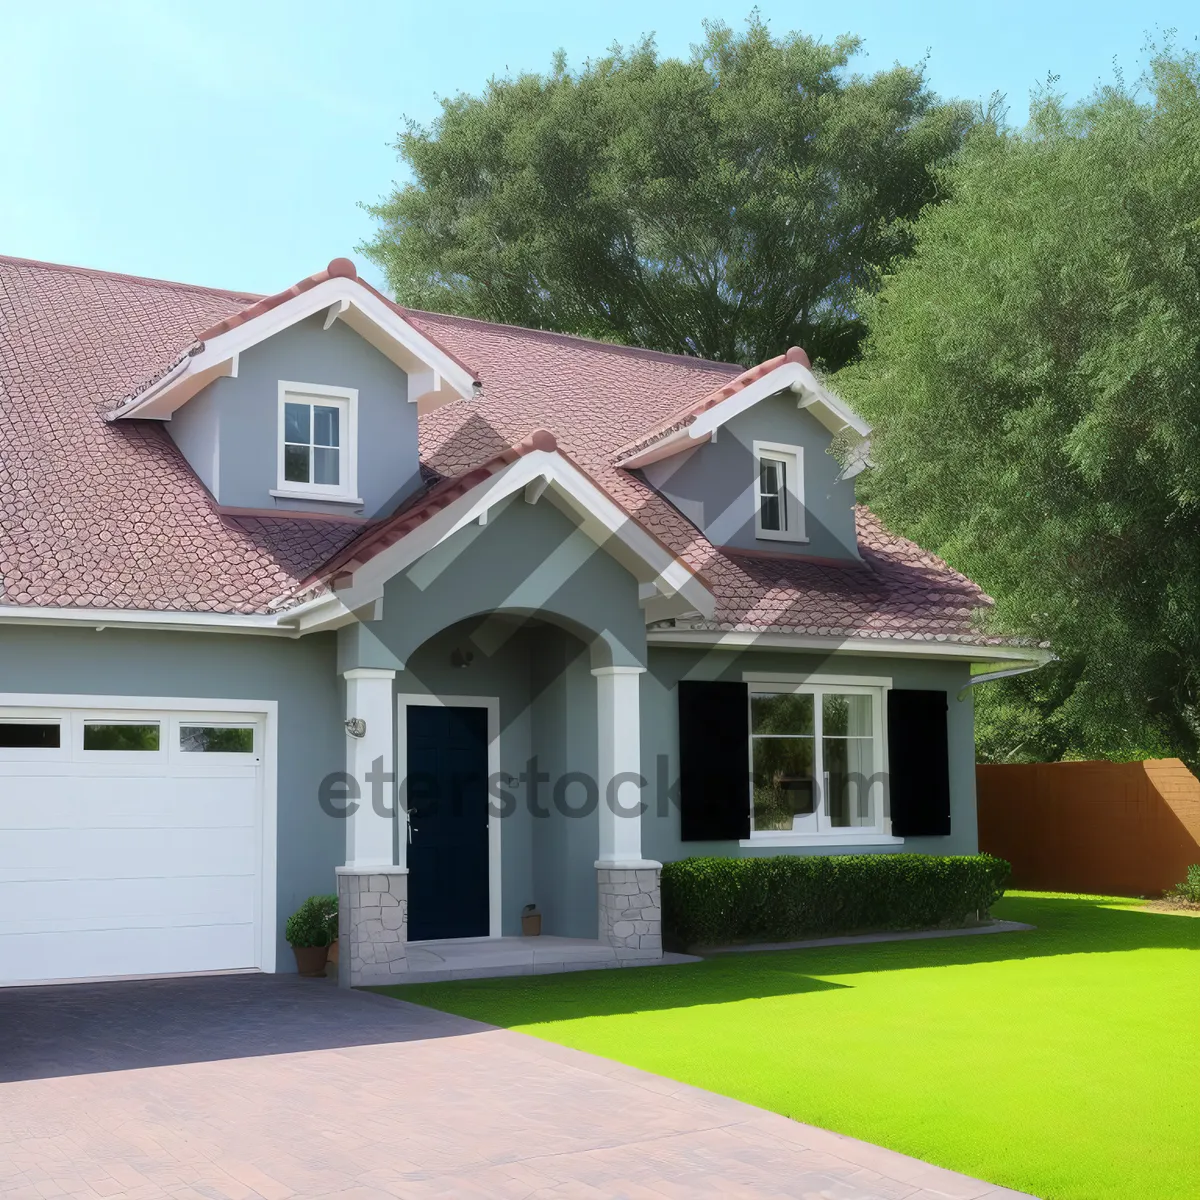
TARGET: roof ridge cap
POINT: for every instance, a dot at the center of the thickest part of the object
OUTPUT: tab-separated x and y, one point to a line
70	269
556	335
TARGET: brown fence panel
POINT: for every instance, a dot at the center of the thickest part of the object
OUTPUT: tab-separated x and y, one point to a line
1125	829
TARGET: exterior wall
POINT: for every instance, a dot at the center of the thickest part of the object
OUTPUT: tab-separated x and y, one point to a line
714	486
299	675
660	744
527	560
229	432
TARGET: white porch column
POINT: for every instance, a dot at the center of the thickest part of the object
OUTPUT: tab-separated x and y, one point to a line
618	691
627	885
372	887
370	760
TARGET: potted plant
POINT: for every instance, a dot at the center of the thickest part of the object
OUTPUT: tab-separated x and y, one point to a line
310	929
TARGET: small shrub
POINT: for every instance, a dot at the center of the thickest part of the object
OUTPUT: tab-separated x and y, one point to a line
719	901
1189	890
314	923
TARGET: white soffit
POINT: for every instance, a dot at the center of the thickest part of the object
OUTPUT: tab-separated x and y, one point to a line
434	377
811	394
599	517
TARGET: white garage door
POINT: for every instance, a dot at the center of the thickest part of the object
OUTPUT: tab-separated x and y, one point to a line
130	842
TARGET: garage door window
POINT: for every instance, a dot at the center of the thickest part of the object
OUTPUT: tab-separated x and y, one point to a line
30	735
124	736
216	739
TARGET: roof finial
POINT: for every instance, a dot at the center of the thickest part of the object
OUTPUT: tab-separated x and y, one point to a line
342	267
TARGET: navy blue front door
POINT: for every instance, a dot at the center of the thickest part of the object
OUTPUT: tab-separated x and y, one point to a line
448	822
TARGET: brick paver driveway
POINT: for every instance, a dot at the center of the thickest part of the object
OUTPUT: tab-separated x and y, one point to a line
257	1086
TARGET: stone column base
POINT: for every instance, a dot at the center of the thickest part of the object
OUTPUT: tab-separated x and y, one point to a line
372	925
630	910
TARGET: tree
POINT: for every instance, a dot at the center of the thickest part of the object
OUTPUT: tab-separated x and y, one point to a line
1033	373
727	206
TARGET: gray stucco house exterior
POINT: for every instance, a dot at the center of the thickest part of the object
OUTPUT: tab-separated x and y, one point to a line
309	592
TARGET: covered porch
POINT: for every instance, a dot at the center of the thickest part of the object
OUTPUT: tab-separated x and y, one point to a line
497	768
493	712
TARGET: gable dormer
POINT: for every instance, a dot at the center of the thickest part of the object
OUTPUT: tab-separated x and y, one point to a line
307	400
752	466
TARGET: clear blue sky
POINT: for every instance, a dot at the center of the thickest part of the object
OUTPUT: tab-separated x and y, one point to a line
229	144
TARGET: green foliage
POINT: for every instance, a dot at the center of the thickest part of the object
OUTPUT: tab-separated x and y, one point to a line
719	901
1032	374
725	206
1189	889
314	923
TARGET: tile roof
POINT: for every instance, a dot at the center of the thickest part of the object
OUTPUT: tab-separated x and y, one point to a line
110	515
688	414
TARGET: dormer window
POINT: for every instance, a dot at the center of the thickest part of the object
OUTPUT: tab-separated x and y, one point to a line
317	442
779	515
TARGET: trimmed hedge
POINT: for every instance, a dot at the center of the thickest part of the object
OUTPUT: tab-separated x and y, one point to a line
720	901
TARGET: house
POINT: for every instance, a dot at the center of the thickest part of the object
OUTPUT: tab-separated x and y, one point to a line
269	563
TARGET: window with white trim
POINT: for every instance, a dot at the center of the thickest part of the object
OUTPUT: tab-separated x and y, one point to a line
779	492
317	450
816	753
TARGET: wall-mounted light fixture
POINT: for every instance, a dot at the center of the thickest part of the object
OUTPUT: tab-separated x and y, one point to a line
356	727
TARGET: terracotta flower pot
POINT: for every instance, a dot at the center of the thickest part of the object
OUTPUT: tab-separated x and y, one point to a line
333	952
310	960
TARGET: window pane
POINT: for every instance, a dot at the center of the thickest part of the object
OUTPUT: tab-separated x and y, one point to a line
296	423
783	781
325	426
216	739
31	736
295	464
770	476
847	716
120	737
325	466
776	712
849	767
768	513
772	492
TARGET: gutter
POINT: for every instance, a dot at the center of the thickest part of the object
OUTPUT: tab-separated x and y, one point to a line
1007	673
182	622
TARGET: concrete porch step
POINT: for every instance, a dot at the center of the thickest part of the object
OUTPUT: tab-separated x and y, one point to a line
483	958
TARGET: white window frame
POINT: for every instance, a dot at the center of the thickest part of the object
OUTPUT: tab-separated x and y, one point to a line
823	833
345	399
792	458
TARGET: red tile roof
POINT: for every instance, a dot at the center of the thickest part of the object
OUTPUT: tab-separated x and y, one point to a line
110	515
688	414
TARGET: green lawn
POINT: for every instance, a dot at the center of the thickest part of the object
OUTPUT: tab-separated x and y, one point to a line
1064	1062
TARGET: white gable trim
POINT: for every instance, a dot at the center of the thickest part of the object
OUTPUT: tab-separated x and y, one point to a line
601	519
435	378
833	413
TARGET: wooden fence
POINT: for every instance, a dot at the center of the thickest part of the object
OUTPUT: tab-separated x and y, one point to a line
1123	829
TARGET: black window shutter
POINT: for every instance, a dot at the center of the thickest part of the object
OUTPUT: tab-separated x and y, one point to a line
714	761
918	763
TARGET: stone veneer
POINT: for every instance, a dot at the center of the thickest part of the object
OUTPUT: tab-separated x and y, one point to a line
630	910
372	926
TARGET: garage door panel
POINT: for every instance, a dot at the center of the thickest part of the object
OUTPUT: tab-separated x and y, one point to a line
83	803
40	905
66	854
144	951
112	865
